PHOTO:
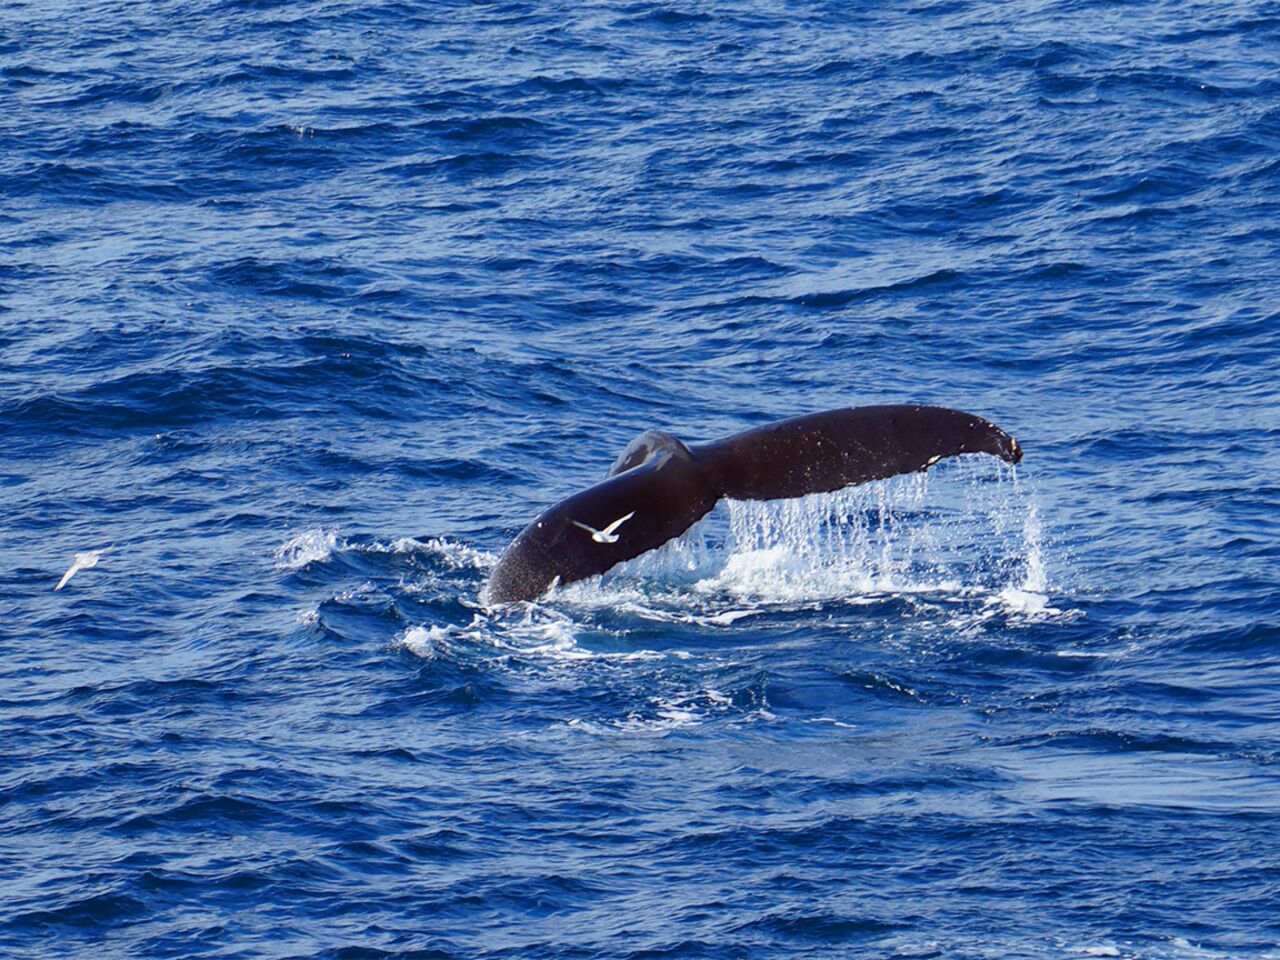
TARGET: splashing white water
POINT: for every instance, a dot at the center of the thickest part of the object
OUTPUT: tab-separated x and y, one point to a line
424	642
1035	581
1031	596
970	528
310	546
967	531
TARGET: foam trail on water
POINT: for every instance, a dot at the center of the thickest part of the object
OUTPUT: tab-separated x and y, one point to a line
456	556
540	634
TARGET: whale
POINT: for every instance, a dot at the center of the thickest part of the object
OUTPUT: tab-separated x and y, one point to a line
658	486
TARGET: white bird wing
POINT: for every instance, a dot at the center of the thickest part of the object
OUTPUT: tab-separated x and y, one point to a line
81	561
608	531
71	572
591	530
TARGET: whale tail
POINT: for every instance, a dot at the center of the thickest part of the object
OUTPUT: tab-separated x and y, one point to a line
662	487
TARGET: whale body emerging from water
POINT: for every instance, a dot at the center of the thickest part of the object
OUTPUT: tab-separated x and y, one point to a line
659	487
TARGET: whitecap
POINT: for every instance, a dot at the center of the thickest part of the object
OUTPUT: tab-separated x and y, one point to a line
456	556
1024	601
674	711
425	642
310	546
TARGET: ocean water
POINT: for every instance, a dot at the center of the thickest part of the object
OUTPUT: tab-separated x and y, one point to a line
306	308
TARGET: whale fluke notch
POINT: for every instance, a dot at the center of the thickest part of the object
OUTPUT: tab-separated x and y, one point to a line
666	486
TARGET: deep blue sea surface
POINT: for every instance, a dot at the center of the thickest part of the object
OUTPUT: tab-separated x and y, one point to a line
306	308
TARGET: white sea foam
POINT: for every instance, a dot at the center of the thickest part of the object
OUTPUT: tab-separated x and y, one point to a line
425	642
1024	601
310	546
456	556
542	633
727	617
319	543
833	721
667	713
1071	652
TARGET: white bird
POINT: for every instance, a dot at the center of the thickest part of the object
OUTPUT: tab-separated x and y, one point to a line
606	535
82	561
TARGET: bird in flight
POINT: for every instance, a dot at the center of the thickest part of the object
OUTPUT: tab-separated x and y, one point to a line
82	561
606	535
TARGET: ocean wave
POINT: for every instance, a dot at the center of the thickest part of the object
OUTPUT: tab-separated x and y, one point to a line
311	306
310	546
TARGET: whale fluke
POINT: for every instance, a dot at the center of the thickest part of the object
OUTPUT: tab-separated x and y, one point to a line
658	487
